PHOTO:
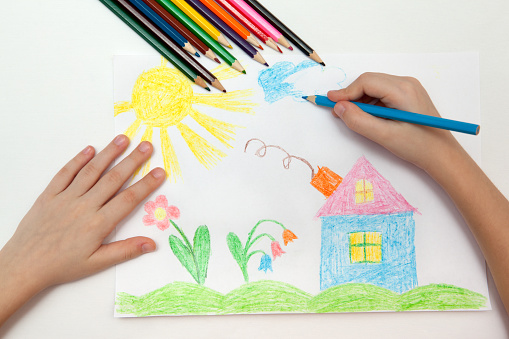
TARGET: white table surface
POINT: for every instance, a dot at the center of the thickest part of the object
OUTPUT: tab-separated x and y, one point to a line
56	97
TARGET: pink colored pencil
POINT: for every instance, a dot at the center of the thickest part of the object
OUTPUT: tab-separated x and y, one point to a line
259	21
248	24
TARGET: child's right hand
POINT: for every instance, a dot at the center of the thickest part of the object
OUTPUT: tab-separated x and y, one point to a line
420	145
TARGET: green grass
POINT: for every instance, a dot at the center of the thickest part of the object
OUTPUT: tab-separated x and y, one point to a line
268	296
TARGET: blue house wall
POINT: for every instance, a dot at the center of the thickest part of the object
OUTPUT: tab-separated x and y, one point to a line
397	269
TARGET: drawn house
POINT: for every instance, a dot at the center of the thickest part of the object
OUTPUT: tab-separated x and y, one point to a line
367	233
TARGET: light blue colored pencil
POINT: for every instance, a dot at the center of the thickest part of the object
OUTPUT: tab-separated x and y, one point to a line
164	26
395	114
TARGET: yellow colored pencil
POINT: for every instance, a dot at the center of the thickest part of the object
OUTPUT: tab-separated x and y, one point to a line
202	22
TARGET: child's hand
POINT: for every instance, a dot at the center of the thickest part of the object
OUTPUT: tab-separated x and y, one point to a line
419	145
61	237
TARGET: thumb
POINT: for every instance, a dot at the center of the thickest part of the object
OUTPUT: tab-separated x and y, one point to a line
361	122
119	251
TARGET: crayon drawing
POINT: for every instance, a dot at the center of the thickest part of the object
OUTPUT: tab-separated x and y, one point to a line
162	98
294	219
367	233
285	79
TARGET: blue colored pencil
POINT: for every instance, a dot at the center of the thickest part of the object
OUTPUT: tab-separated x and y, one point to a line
394	114
164	26
227	30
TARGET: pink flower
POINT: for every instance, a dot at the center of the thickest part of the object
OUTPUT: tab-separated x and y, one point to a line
276	249
159	213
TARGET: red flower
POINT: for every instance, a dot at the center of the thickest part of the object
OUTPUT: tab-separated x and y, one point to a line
288	236
159	213
276	249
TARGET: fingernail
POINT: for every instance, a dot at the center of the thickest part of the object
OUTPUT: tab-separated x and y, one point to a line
144	146
339	109
158	173
86	150
147	248
119	140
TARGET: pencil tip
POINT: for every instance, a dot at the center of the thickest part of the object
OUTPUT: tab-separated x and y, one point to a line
266	64
322	63
224	91
196	54
230	46
304	97
279	49
244	71
290	48
217	60
260	47
208	89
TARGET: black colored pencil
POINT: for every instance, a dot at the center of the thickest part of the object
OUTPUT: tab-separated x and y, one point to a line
193	64
298	42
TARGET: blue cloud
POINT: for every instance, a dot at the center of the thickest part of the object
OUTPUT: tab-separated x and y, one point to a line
285	79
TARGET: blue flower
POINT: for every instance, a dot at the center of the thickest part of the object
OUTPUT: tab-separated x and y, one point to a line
265	263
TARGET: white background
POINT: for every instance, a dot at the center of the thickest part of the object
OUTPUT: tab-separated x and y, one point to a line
55	97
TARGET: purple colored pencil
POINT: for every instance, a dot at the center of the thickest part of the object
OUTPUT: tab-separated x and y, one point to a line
226	30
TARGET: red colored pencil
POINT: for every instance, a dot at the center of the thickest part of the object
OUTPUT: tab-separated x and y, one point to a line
249	25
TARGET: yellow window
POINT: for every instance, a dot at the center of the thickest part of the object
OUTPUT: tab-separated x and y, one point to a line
365	247
363	191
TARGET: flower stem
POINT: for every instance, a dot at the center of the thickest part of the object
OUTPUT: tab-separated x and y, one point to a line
248	245
253	253
258	224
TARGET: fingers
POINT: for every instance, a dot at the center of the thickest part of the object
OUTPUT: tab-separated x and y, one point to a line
393	91
112	181
91	172
120	251
121	205
363	123
67	174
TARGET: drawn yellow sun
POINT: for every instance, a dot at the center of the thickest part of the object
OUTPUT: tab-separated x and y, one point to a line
162	97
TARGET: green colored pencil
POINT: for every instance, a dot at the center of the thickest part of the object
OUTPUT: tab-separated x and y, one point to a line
201	34
154	42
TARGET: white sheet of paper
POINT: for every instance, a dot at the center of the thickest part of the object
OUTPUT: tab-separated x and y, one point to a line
242	188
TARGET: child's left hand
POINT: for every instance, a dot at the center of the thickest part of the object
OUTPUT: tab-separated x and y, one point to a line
61	237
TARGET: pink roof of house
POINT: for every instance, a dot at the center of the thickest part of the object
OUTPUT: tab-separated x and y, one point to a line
386	199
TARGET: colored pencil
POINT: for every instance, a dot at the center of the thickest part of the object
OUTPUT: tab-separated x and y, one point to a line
249	25
193	39
164	26
230	33
202	22
260	22
395	114
294	39
200	33
230	21
155	42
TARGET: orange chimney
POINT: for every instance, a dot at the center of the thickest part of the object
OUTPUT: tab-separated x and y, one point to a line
326	181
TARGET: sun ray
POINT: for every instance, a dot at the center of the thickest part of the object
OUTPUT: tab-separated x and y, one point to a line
121	107
171	164
133	129
206	154
223	131
224	72
233	101
147	136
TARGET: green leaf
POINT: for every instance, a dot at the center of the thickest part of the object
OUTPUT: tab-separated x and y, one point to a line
237	251
201	248
184	255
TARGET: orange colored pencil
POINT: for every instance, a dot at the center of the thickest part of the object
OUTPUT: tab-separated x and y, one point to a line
230	21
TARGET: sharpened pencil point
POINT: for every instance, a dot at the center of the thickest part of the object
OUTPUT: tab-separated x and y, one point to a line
260	47
322	63
244	71
279	49
208	89
290	48
224	91
304	97
196	54
217	60
266	64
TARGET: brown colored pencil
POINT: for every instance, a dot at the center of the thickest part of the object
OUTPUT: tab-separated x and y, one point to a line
193	39
202	72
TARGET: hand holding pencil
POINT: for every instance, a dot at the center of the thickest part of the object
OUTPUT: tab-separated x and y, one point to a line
420	145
